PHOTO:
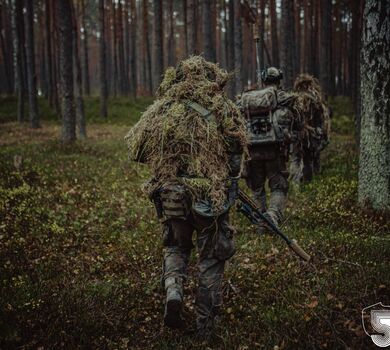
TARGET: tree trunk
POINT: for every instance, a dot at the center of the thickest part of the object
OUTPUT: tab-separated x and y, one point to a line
114	49
274	34
158	65
102	61
374	164
48	53
133	50
325	45
6	50
208	31
185	30
120	49
86	82
191	27
261	32
171	36
238	46
17	29
64	13
288	48
54	57
230	54
298	33
356	32
146	41
31	73
79	83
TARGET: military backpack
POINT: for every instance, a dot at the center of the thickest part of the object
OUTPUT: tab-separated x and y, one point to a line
259	107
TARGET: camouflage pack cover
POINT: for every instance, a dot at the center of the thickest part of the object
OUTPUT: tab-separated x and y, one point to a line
257	102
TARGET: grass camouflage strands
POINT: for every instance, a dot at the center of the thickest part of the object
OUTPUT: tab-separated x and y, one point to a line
173	139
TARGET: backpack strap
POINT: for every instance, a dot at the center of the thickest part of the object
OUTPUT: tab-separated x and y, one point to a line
205	113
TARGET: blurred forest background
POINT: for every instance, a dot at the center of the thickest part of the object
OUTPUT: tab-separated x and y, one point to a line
79	262
122	47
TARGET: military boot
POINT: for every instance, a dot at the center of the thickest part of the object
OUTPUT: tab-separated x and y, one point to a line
174	302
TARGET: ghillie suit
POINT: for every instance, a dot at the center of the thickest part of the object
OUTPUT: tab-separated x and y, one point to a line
192	137
314	137
271	122
174	139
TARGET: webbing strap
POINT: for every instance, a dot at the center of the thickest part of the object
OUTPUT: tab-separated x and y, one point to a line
205	113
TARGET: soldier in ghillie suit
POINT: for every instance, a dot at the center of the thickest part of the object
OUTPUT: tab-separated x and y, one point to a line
193	138
310	104
270	121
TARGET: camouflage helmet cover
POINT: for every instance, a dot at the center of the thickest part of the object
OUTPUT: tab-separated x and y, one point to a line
271	75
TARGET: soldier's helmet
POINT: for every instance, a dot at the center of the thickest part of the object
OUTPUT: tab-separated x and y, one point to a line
271	75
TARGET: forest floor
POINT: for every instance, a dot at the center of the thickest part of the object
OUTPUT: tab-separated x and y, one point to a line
80	251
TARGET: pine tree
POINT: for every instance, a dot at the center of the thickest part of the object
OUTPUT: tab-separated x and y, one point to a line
64	14
374	163
31	71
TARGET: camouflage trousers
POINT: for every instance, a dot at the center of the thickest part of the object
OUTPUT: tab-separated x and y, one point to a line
304	164
273	170
214	241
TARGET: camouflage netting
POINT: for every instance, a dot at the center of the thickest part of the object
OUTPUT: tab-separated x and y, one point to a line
309	100
174	139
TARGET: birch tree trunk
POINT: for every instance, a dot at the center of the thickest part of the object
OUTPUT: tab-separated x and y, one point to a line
374	163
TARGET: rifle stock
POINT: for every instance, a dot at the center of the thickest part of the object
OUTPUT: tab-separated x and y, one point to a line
253	212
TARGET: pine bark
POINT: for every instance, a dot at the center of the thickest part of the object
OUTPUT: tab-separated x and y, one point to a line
261	32
374	164
120	50
85	66
80	115
208	31
31	70
171	36
64	13
146	42
17	29
185	31
191	27
230	54
274	34
6	50
355	47
288	63
102	61
158	65
133	49
238	47
325	45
